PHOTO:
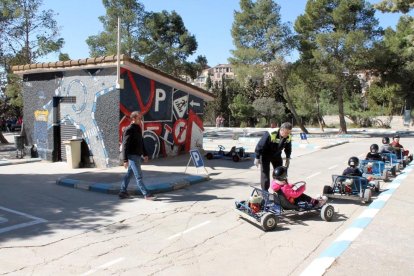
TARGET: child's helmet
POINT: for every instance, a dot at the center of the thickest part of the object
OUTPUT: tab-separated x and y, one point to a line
396	136
385	140
353	162
374	148
280	173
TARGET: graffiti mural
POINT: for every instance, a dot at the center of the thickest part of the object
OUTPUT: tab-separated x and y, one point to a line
171	117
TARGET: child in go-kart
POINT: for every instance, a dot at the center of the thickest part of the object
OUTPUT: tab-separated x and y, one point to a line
373	153
386	146
293	194
351	170
399	149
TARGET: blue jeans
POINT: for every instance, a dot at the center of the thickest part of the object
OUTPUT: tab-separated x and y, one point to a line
134	166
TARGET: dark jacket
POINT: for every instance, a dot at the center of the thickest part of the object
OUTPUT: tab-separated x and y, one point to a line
352	172
374	156
271	146
132	142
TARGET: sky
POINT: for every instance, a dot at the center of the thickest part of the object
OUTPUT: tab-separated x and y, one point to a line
209	20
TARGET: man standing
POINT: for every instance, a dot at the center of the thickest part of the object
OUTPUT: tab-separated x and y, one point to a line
132	150
269	150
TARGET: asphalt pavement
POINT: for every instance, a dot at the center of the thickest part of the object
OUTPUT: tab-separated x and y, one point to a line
378	242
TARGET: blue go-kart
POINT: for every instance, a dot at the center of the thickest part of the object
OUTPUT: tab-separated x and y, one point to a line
235	154
266	208
375	169
349	188
392	162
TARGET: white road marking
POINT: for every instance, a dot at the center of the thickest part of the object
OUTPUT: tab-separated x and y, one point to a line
105	265
188	230
313	175
35	220
332	167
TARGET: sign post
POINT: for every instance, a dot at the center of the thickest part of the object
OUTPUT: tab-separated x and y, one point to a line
303	136
197	159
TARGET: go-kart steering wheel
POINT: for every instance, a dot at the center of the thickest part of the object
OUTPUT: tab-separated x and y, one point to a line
221	148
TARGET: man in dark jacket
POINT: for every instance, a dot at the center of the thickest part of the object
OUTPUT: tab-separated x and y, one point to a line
132	150
269	150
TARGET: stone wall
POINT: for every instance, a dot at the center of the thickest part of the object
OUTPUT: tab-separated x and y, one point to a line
397	122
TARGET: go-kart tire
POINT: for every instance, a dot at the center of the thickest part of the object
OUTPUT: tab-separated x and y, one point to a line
209	156
377	186
327	190
236	158
385	175
394	171
404	163
367	195
269	221
327	212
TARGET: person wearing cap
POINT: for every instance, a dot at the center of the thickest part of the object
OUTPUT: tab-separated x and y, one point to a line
269	150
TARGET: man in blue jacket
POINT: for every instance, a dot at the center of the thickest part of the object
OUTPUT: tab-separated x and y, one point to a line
269	150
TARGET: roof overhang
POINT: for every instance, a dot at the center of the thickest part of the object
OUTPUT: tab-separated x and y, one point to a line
110	62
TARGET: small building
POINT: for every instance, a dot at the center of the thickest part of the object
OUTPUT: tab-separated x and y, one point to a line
80	98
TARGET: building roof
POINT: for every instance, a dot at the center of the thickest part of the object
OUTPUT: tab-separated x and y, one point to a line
110	61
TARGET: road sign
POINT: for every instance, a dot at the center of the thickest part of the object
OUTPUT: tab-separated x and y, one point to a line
197	159
303	136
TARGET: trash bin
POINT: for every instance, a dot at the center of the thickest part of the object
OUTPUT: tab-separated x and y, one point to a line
73	152
19	142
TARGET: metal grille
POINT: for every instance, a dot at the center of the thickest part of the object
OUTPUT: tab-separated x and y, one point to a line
69	99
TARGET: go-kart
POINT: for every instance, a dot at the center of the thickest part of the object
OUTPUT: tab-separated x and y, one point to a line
350	188
403	156
235	154
392	162
374	169
265	208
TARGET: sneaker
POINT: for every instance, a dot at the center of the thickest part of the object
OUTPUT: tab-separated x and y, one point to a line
123	195
321	201
150	197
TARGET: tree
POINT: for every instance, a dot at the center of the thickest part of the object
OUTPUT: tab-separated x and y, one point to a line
403	6
132	16
166	43
27	34
240	109
261	39
337	36
269	109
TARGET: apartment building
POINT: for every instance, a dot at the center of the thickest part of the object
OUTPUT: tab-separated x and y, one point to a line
216	73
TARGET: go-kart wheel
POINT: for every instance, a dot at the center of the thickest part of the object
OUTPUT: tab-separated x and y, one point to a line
385	175
404	163
236	158
327	190
327	212
367	195
209	156
377	186
269	221
394	171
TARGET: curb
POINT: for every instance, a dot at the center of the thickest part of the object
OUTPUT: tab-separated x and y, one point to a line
324	261
19	161
113	188
334	144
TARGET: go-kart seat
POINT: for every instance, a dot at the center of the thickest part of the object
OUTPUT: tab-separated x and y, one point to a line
281	200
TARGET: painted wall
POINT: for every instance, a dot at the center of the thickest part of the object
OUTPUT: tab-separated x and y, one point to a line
172	120
95	113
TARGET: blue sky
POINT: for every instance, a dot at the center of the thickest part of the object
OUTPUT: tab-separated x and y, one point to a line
209	20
